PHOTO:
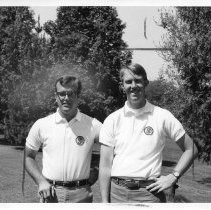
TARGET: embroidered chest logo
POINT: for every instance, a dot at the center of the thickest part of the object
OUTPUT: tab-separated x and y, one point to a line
80	140
148	130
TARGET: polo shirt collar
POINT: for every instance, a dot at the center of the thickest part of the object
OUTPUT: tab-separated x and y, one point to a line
129	111
59	118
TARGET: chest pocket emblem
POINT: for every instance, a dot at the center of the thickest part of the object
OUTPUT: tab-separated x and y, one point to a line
80	140
148	130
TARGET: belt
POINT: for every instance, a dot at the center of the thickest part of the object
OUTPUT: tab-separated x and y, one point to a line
70	184
132	184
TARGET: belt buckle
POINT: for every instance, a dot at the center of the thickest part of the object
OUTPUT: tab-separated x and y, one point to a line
132	184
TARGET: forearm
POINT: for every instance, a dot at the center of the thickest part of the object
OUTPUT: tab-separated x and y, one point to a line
104	180
185	161
165	182
106	161
33	170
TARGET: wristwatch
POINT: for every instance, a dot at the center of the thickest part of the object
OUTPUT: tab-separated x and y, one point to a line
176	174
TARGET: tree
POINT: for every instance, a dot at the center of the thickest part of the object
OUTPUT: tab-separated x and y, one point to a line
91	37
167	94
188	35
21	57
15	26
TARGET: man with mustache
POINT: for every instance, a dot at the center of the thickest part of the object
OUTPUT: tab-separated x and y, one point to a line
67	139
132	140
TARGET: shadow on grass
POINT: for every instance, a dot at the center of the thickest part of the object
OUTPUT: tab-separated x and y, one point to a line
168	163
22	148
6	143
206	181
19	148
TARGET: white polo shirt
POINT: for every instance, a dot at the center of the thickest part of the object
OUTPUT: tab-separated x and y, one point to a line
138	138
67	147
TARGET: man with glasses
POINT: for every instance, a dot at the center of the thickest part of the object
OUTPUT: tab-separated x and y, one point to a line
67	139
133	139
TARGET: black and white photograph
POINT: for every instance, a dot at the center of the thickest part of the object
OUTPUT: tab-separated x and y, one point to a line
105	103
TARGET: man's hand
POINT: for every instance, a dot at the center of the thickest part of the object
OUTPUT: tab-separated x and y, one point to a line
46	191
162	183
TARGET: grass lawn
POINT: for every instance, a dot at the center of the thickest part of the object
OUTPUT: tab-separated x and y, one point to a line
195	188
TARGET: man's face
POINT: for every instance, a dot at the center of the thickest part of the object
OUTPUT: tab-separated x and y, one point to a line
66	99
134	87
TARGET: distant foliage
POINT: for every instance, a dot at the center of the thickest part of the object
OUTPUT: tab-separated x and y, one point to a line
22	56
166	94
16	24
189	32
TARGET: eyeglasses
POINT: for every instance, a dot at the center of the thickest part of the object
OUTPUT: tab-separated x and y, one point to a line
63	94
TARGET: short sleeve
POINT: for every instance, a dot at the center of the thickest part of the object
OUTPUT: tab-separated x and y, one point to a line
172	126
97	126
33	140
107	132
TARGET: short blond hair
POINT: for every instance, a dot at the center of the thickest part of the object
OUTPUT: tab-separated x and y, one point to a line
136	69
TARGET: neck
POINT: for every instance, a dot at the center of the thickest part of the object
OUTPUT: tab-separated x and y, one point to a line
137	105
70	115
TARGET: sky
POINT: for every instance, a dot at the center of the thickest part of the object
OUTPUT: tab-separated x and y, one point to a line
133	17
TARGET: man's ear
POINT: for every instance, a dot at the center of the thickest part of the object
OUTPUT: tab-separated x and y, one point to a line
146	83
56	98
55	102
